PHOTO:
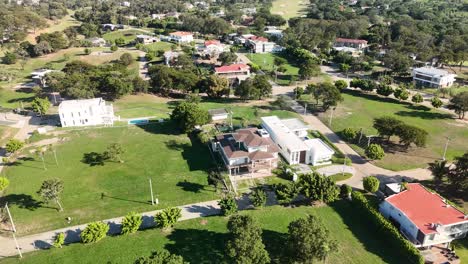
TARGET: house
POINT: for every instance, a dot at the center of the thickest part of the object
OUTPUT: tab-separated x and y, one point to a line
158	16
249	11
146	39
432	77
39	76
211	48
97	42
424	217
112	27
234	72
125	3
170	57
261	45
181	37
173	14
350	45
291	136
218	114
248	150
87	112
274	32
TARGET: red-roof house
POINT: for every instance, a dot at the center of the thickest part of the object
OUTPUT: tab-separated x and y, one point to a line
424	217
237	72
344	43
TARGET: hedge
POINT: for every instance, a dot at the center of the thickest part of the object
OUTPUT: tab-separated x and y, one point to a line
387	229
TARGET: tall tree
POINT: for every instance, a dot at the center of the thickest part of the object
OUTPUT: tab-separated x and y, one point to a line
317	187
459	103
458	175
51	190
245	244
188	115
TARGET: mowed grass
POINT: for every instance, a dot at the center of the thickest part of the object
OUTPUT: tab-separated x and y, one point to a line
6	133
266	63
289	8
128	35
177	166
57	25
204	240
359	110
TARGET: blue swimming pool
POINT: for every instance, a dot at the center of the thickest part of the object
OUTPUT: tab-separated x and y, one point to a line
138	121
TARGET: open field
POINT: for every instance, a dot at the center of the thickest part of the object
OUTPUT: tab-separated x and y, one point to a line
126	34
358	111
58	25
203	240
177	166
289	8
6	133
266	63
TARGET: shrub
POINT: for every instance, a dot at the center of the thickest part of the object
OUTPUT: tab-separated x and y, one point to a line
126	59
4	182
167	217
130	223
345	191
375	152
59	240
228	205
386	229
341	84
285	192
349	133
114	48
417	98
94	232
258	197
87	51
371	184
13	145
384	89
436	102
401	94
9	58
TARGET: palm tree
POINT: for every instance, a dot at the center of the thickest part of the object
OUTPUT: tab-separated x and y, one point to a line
439	170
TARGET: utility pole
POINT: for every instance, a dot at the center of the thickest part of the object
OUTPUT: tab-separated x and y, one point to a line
14	231
230	115
331	117
344	165
151	190
305	108
446	146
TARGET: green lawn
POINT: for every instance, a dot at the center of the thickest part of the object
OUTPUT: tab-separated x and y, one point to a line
127	34
177	166
358	111
289	8
265	61
58	25
203	240
340	176
6	133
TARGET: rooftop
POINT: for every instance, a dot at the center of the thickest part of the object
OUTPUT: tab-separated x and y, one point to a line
293	142
232	68
432	71
319	146
181	33
425	208
84	103
295	124
231	144
212	42
356	41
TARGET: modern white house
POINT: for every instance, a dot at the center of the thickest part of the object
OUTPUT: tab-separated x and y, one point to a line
87	112
291	136
181	36
432	77
247	151
424	217
146	39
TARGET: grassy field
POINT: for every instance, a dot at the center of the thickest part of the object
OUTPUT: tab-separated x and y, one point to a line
6	133
289	8
177	166
127	34
58	25
358	111
203	240
265	61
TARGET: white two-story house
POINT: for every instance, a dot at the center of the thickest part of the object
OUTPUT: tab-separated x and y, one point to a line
432	77
181	37
87	112
424	217
246	151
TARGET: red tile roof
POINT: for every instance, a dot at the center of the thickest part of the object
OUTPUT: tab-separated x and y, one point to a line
181	33
356	41
424	208
256	38
232	68
212	42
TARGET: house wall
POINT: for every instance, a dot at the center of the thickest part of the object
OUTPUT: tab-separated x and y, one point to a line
90	116
219	117
406	225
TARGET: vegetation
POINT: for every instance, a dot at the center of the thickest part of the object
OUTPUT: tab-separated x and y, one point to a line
228	205
371	184
13	145
255	88
167	217
285	192
189	115
375	152
345	191
258	197
4	182
459	103
59	240
317	187
94	232
51	190
161	257
131	223
40	105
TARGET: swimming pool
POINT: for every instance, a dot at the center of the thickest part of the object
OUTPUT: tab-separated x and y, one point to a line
138	121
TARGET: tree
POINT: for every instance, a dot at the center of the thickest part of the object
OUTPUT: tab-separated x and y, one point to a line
384	89
258	197
51	190
387	126
285	192
126	59
94	232
59	240
410	134
459	103
262	85
114	48
298	91
317	187
161	257
9	58
341	84
57	40
119	42
228	205
87	51
309	240
167	217
397	61
349	133
188	115
13	145
345	68
113	152
4	182
458	175
245	243
401	94
227	57
308	68
371	184
439	170
417	98
375	152
40	105
215	86
42	48
436	102
130	223
345	191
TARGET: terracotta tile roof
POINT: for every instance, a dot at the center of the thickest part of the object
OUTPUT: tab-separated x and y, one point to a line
256	38
232	68
231	143
181	33
424	208
355	41
212	42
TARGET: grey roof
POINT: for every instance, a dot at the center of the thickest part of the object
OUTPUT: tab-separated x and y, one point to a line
219	111
295	124
432	71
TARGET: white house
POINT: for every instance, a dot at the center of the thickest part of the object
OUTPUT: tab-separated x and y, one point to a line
424	217
261	45
39	76
170	56
181	37
158	16
212	48
87	112
354	46
146	39
432	77
291	136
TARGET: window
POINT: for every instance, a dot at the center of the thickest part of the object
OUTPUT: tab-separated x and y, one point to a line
71	114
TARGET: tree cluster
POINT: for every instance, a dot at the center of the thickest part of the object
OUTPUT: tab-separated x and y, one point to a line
254	88
388	126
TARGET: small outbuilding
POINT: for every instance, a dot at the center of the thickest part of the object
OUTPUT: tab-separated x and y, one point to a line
218	114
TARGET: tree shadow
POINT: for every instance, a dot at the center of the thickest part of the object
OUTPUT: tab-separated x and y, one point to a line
196	154
418	107
166	128
367	233
198	245
93	159
274	244
424	115
23	201
190	186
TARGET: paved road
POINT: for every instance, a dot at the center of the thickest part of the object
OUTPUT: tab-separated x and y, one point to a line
45	240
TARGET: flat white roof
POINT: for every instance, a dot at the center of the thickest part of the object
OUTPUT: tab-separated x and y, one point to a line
291	140
432	71
395	187
318	146
84	103
295	124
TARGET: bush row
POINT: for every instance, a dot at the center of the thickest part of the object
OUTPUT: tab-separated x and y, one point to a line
387	229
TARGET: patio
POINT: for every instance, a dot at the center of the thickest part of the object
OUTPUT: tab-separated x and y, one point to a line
439	254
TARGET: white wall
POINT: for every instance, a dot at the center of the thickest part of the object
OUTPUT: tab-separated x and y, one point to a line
389	210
